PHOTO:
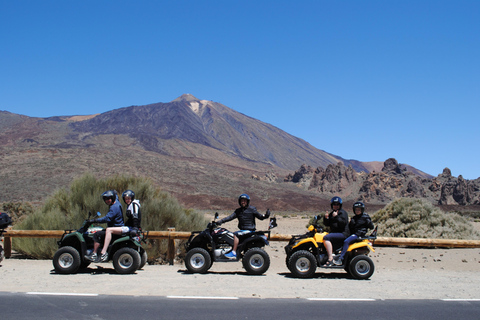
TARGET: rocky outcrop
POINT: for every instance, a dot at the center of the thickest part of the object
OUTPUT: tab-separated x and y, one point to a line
269	177
393	181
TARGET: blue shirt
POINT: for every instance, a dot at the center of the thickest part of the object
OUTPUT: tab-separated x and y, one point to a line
114	217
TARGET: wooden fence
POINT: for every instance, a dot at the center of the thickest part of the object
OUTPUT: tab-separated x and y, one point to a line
171	235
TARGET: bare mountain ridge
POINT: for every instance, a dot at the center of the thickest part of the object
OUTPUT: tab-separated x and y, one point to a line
210	124
201	151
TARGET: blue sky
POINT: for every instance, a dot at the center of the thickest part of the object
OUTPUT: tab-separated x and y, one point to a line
365	80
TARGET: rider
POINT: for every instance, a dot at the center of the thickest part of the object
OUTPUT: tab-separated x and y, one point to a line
359	224
114	218
132	226
246	215
337	219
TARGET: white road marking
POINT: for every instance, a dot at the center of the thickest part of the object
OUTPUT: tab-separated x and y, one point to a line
64	294
460	299
339	299
200	297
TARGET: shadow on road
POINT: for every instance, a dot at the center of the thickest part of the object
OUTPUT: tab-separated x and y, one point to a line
240	273
332	275
97	270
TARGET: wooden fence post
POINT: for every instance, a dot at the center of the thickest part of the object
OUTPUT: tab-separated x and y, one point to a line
171	247
7	243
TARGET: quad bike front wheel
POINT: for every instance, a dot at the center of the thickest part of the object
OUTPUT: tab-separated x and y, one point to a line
256	261
198	260
126	260
66	260
361	267
302	264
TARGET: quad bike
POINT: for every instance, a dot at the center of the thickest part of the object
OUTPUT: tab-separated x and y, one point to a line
125	251
306	252
211	245
5	221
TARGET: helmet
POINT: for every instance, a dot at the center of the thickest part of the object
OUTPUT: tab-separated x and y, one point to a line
360	205
244	196
336	200
109	194
128	193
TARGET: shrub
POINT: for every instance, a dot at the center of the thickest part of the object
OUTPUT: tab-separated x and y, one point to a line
17	210
418	218
68	208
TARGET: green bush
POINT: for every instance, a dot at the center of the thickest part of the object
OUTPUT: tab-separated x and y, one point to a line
17	210
418	218
66	209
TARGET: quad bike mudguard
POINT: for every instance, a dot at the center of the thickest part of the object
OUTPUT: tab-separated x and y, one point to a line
73	239
256	239
361	244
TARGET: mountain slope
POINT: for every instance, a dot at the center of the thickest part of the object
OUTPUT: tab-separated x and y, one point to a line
210	124
202	152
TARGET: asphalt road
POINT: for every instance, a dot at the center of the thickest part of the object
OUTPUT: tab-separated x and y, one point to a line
20	306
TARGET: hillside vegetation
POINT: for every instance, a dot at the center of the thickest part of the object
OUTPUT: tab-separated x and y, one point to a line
67	209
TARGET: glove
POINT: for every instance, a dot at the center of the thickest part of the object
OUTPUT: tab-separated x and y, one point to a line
211	225
92	221
133	232
267	214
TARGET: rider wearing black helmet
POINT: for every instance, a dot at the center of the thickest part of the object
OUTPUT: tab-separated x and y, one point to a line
132	226
246	215
114	218
133	214
337	220
358	226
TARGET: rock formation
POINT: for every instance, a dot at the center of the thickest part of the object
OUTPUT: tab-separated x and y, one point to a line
393	181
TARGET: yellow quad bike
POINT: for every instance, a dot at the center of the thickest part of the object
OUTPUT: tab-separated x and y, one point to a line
305	252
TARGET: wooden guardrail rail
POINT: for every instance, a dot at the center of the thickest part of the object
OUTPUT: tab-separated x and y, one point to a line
173	235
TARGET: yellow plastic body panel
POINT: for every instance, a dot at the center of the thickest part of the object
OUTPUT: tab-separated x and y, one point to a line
363	243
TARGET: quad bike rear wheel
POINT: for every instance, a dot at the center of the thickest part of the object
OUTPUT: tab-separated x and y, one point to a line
66	260
126	260
198	260
302	264
361	267
256	261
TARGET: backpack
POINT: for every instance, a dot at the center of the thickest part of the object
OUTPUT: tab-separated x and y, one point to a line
5	220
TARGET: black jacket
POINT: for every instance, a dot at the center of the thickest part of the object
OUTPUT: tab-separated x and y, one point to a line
134	216
339	223
246	218
359	224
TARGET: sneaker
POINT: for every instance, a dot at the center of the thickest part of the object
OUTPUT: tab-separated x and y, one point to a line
93	257
104	257
231	255
338	262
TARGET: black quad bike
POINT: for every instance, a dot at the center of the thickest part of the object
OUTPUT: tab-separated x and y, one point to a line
305	252
126	251
211	245
5	221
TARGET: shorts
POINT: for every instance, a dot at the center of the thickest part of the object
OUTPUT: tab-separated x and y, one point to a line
125	229
242	234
